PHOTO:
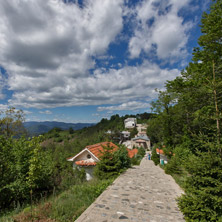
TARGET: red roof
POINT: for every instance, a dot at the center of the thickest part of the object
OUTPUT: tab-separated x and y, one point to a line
98	148
132	153
85	163
159	151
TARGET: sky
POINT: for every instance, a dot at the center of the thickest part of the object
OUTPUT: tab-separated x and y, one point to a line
81	61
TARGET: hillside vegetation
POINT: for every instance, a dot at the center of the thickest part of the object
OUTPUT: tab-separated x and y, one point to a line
35	170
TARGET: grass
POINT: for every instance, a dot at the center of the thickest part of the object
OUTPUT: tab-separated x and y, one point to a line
67	206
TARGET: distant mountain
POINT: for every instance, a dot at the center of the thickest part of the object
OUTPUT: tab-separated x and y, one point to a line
37	128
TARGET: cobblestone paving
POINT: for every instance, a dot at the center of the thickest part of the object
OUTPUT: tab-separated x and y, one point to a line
142	193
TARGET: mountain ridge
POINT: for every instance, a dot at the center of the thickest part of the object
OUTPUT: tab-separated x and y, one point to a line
37	128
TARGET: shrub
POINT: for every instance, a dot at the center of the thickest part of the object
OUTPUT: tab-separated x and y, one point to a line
203	198
141	152
108	166
112	163
173	166
121	156
155	157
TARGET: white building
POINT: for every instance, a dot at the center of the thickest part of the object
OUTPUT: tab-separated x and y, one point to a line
130	122
89	157
125	135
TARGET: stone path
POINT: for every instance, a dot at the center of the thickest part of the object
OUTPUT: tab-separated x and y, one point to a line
142	193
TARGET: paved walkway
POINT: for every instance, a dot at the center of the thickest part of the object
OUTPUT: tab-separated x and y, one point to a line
142	193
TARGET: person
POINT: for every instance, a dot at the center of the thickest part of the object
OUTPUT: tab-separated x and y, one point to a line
149	156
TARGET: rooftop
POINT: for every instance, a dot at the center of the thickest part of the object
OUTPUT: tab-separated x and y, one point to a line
98	149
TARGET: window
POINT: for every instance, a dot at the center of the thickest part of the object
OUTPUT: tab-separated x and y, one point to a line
88	156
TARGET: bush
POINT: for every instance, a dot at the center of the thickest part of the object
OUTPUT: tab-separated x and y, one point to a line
155	157
203	198
108	166
173	166
121	156
112	163
138	157
141	152
135	160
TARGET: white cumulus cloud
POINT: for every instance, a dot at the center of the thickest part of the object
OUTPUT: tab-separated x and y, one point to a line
47	44
159	29
49	48
48	112
133	105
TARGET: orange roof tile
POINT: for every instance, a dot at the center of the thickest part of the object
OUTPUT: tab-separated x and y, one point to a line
132	153
98	148
85	163
159	151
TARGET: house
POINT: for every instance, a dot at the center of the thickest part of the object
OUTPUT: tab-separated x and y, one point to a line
163	157
125	135
89	156
141	140
130	123
128	144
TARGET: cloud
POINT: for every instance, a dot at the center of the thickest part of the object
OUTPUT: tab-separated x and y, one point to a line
47	44
160	30
3	108
26	112
2	85
49	48
48	112
125	106
103	87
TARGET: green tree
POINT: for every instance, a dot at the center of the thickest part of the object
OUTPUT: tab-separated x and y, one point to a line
11	124
209	56
71	130
155	157
203	198
121	155
108	166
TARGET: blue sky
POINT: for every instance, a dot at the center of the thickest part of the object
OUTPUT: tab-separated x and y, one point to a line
80	61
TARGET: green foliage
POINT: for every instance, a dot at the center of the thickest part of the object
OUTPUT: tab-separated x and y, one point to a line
121	155
138	157
11	124
112	163
70	204
188	122
133	132
155	157
24	166
108	166
174	166
203	198
141	152
71	130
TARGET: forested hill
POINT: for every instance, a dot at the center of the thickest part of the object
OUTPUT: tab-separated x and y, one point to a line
36	128
96	133
115	123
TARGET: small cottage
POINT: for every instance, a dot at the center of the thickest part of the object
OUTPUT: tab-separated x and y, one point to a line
89	156
141	140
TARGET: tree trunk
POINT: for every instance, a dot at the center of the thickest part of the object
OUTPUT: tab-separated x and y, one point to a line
217	111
